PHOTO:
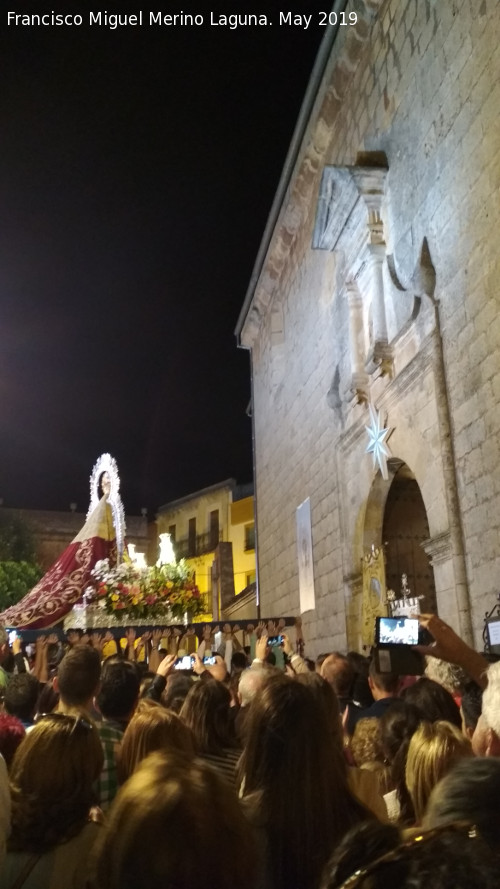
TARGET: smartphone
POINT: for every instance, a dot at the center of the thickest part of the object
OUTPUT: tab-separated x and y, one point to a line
12	636
397	631
275	640
211	660
184	663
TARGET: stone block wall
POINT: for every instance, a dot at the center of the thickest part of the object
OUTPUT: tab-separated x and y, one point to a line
419	81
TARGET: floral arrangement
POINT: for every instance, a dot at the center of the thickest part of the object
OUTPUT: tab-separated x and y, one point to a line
167	591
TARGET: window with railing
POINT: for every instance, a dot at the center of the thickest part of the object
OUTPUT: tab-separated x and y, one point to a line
190	546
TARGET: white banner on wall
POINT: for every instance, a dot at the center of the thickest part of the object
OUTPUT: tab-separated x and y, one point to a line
305	557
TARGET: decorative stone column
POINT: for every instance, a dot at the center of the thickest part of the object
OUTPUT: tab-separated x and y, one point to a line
359	379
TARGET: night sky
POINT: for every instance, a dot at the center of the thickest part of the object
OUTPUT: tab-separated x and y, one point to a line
137	170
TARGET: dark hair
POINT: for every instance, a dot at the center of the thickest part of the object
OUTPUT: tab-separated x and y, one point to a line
12	732
433	701
21	696
363	844
176	691
470	791
454	857
48	698
326	699
78	675
206	711
387	682
360	692
397	726
119	689
239	660
289	743
472	699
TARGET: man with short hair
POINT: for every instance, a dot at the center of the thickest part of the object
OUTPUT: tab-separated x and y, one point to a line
383	687
21	696
337	670
116	701
77	679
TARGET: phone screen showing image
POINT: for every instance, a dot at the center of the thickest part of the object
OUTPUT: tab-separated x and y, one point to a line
397	631
184	663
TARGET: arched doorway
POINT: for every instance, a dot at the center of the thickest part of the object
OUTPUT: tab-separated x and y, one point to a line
405	528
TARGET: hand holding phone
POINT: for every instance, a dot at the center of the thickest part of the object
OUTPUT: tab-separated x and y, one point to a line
275	640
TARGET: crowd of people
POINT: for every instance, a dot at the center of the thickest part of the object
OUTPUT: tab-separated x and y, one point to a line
256	767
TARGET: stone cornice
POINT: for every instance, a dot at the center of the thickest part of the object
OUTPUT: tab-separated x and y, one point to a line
299	198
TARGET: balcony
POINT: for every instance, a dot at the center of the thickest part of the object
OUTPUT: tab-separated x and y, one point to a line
190	547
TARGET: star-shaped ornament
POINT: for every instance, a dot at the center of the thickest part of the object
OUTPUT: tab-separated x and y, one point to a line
377	445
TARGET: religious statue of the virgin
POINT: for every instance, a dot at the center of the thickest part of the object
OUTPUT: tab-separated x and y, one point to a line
102	537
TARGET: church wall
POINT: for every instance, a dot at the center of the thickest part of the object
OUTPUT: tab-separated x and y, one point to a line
419	81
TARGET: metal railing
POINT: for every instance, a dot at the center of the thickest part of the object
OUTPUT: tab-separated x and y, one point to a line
190	547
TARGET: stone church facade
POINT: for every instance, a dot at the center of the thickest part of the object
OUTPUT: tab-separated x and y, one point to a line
378	283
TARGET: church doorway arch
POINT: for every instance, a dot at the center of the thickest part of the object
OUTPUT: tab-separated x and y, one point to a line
404	529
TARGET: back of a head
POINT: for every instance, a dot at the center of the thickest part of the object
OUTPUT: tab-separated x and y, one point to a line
433	701
78	676
454	858
53	770
172	820
434	749
337	670
397	726
289	733
119	688
361	693
450	676
252	681
471	705
239	661
326	698
469	792
176	691
366	742
12	732
152	728
21	696
384	682
206	711
289	744
363	844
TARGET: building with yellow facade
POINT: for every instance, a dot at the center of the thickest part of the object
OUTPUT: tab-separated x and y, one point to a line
214	530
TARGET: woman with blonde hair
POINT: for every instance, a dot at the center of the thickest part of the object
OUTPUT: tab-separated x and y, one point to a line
52	779
434	749
152	728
